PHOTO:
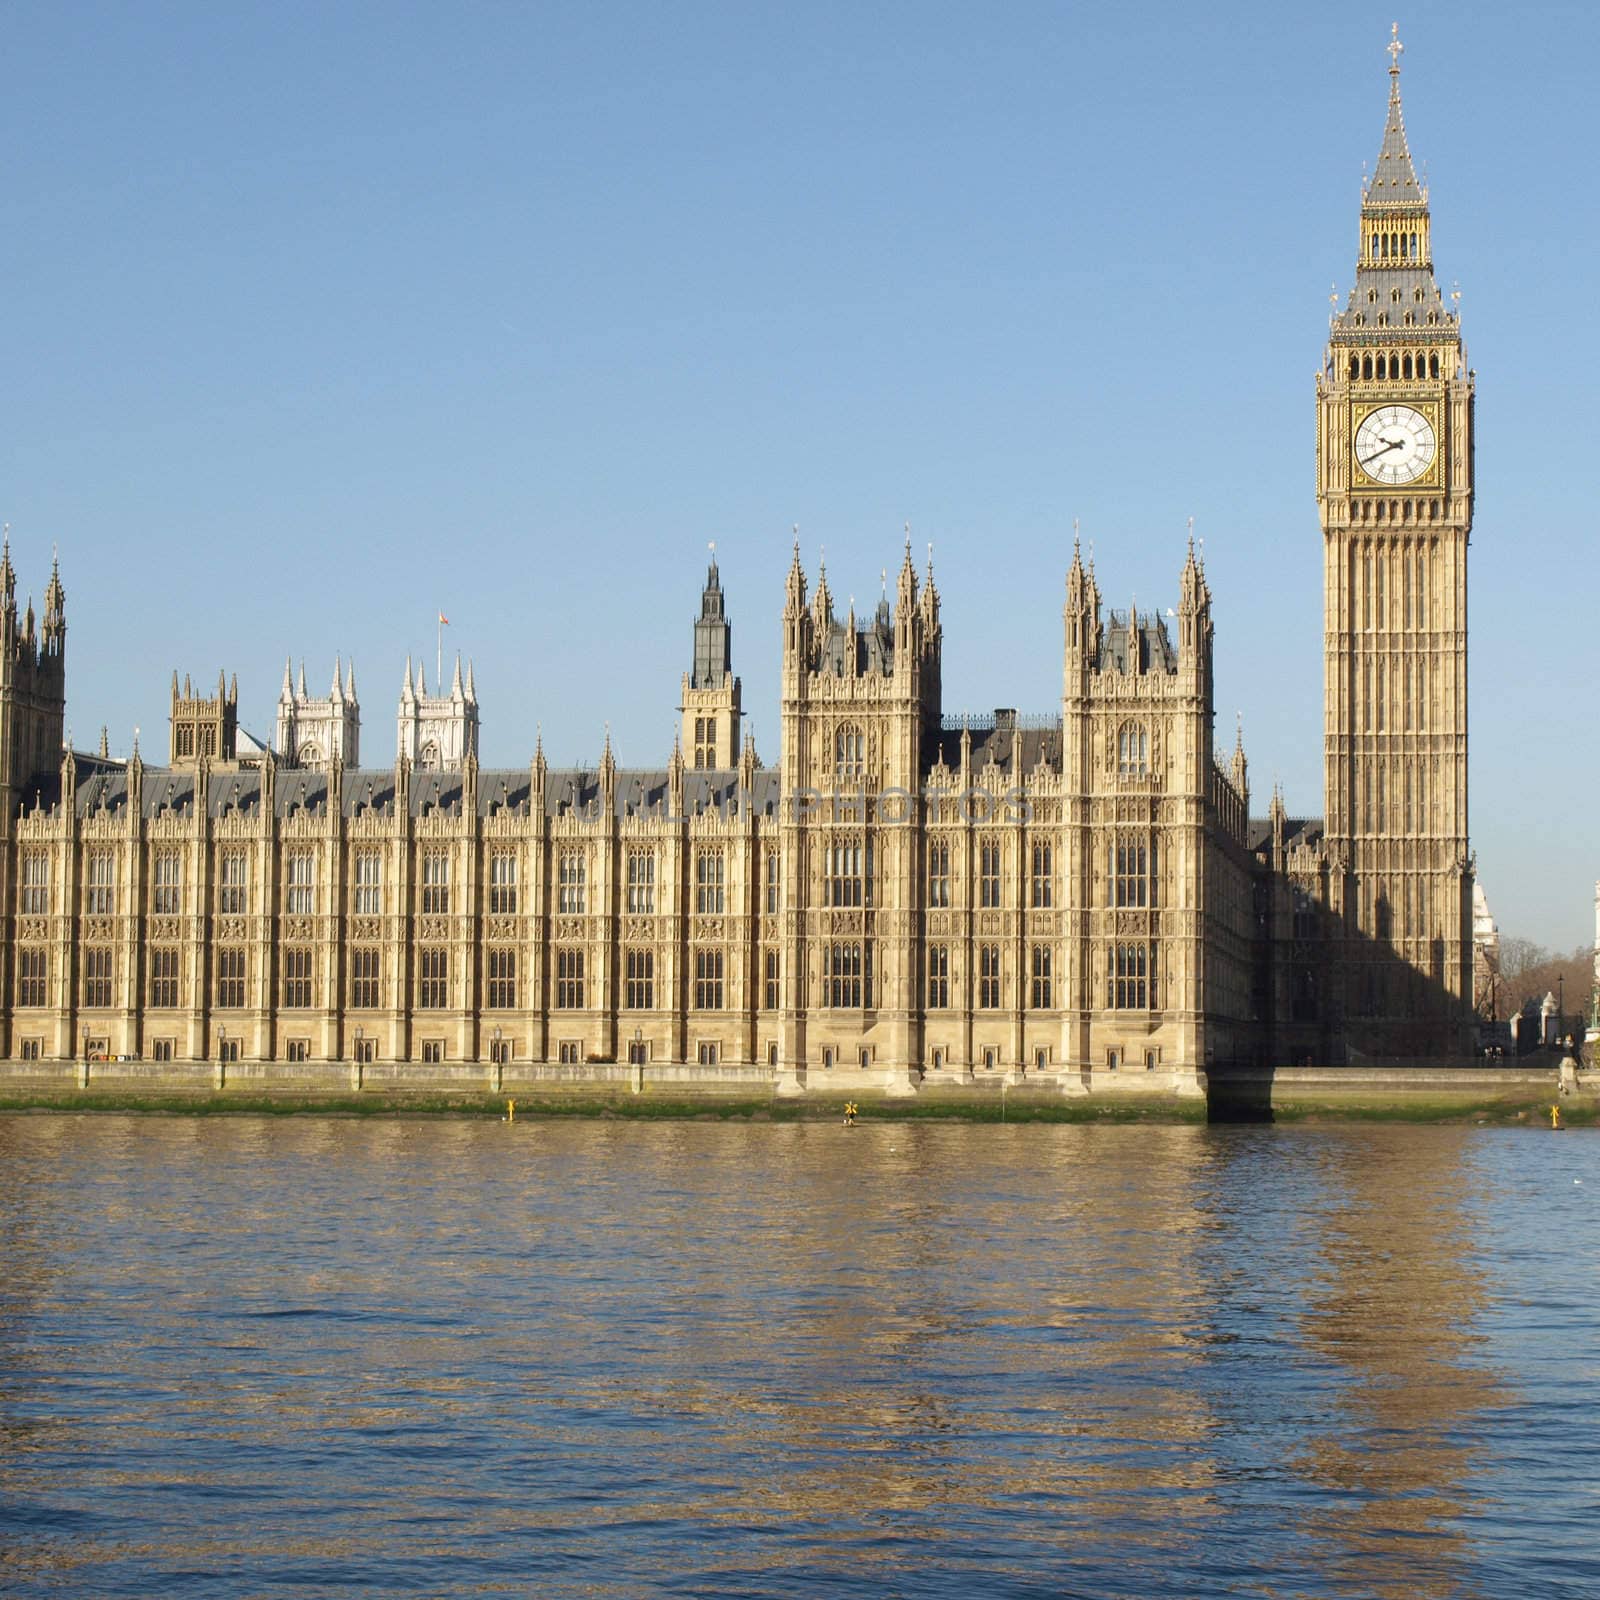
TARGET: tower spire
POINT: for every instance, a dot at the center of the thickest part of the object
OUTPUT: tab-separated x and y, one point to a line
1394	180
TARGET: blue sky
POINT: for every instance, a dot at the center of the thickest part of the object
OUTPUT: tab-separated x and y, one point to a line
320	319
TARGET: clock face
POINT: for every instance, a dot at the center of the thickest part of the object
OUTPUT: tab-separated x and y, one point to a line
1395	444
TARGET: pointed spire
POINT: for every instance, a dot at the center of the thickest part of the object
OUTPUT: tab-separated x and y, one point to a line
794	590
422	676
286	694
55	598
350	685
1394	180
906	583
338	675
455	681
105	743
472	687
406	690
233	690
823	604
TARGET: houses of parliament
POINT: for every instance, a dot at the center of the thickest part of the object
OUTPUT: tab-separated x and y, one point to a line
906	897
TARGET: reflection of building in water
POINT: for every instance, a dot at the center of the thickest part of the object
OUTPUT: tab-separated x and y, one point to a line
1393	1310
967	1331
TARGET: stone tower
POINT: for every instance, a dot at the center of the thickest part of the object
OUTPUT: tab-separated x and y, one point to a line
313	732
204	728
33	675
438	731
861	713
1394	487
710	703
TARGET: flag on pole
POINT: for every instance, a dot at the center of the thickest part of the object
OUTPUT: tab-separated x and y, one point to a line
444	621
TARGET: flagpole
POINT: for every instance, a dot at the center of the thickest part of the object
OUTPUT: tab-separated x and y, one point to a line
438	654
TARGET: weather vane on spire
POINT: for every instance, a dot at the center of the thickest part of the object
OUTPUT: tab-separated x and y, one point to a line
1395	48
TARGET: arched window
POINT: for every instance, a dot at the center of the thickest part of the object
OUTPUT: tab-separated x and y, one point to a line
1433	366
1366	367
1413	245
1374	247
428	759
1133	751
1408	359
849	753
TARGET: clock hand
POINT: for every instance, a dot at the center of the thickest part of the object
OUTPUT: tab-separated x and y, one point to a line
1389	444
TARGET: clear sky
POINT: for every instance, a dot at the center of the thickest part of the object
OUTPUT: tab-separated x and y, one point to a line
321	319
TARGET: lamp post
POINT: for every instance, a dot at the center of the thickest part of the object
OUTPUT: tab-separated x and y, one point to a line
222	1056
356	1065
83	1075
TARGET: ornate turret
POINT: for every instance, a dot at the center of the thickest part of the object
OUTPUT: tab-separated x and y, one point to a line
1082	613
1194	615
55	612
538	773
204	727
675	779
437	732
312	732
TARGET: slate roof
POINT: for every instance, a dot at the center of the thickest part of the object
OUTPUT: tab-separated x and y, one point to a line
1015	749
1296	830
1156	652
573	791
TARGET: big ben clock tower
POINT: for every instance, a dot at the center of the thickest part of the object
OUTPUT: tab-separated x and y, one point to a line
1394	487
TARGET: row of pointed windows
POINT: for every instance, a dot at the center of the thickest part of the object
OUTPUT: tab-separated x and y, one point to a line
1399	366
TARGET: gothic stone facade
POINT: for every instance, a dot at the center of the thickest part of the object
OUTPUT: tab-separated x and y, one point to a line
1078	896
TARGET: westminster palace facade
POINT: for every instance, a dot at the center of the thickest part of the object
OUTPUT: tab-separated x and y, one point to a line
906	894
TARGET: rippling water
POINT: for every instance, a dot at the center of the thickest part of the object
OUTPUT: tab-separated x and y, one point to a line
259	1357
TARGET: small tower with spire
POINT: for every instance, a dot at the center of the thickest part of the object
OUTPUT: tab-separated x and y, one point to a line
710	703
314	732
204	728
437	732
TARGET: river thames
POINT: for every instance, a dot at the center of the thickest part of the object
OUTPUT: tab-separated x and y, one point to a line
258	1356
